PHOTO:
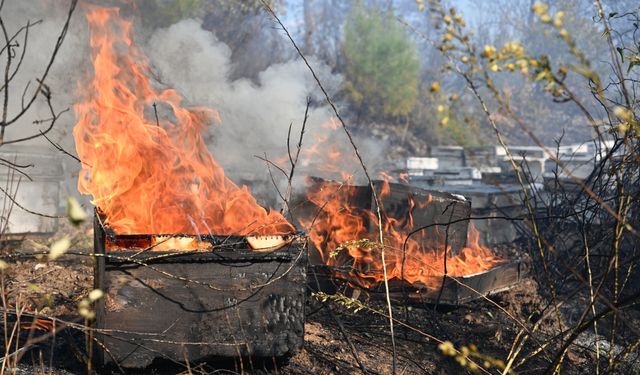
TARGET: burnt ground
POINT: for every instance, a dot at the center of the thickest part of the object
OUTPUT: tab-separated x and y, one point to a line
337	340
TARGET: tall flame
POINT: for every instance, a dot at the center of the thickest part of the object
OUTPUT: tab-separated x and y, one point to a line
150	174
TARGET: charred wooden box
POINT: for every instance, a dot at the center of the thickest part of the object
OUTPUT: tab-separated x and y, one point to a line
450	290
226	301
443	216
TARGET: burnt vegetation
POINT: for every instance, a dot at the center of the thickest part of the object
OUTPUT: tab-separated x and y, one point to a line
384	272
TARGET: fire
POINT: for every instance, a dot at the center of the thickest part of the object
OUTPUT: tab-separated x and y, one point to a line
347	239
344	229
325	156
153	174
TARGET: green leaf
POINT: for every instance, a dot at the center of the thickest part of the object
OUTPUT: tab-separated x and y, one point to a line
59	247
620	50
75	213
635	60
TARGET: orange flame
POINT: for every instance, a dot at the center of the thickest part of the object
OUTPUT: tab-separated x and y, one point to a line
325	157
150	175
341	233
344	230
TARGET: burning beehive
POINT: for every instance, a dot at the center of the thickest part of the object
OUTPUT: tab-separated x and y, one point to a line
431	253
191	266
226	301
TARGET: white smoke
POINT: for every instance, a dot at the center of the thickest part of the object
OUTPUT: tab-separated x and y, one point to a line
255	115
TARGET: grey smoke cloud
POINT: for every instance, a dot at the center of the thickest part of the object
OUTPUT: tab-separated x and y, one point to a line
255	115
69	65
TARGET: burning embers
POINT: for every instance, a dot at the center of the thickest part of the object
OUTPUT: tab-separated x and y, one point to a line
343	227
150	173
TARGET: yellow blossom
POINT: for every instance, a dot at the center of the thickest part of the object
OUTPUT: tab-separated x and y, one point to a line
623	113
488	51
514	48
84	309
59	247
557	19
95	295
623	127
523	65
540	8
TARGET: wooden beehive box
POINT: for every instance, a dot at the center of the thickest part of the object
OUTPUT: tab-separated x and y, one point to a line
442	214
228	301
